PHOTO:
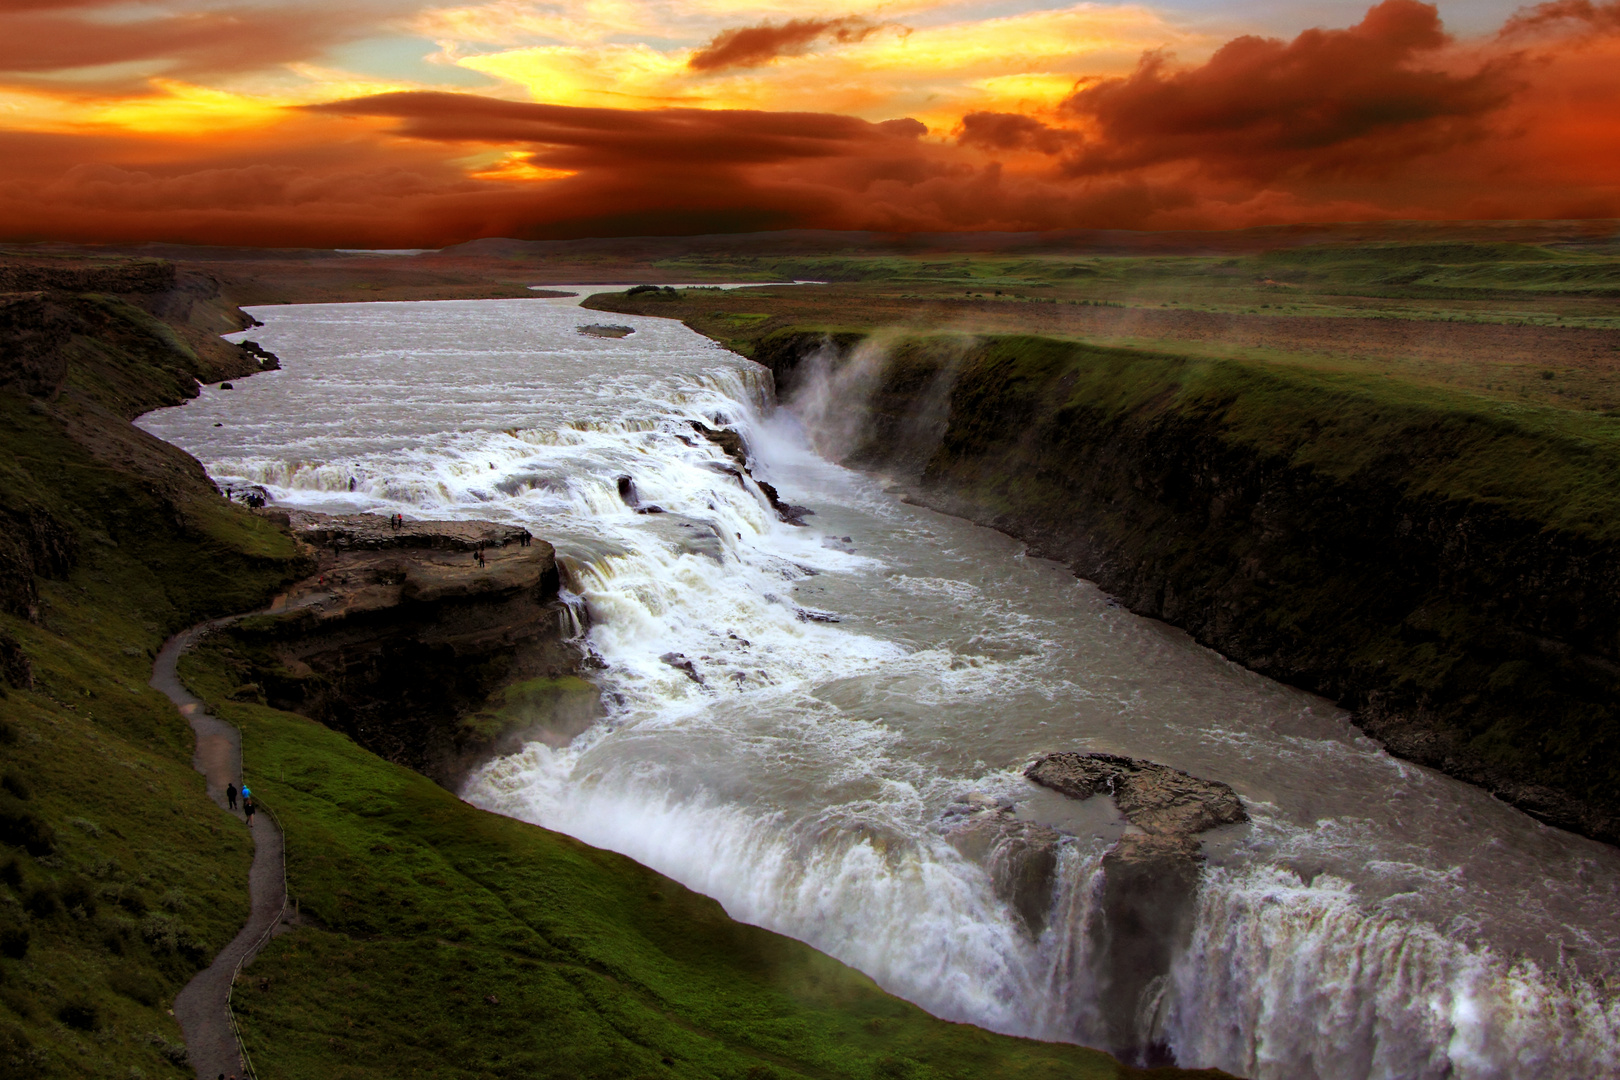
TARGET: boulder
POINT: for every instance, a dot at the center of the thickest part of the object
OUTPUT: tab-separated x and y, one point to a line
729	441
793	515
1155	798
268	361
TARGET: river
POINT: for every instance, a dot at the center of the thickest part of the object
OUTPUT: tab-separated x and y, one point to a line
1373	919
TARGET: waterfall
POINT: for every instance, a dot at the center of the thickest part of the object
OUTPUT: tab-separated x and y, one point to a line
799	718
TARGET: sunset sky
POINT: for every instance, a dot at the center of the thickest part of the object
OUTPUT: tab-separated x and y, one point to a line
392	123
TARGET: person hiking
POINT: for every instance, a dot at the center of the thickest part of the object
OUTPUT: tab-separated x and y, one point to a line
248	808
230	795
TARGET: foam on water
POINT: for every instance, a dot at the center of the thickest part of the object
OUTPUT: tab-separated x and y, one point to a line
1374	920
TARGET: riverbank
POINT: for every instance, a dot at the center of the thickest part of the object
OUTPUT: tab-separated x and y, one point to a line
1443	564
436	939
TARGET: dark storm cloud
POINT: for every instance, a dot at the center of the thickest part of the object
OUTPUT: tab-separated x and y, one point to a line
754	46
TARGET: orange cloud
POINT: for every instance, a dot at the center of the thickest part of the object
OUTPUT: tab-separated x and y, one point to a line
51	37
936	72
1559	14
755	46
1330	101
657	139
1011	131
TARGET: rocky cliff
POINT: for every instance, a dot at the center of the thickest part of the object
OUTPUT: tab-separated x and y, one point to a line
435	644
1448	569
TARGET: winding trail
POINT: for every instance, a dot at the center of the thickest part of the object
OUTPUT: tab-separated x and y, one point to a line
203	1007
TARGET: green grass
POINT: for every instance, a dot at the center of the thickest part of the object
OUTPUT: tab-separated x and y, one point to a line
1434	280
149	877
443	941
1557	467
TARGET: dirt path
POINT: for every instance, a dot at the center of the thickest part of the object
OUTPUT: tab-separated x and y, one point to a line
201	1008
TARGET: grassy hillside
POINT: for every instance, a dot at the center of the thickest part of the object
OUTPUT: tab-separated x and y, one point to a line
441	941
1556	467
119	879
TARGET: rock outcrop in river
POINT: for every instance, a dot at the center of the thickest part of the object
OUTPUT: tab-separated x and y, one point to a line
1149	880
1157	799
1021	856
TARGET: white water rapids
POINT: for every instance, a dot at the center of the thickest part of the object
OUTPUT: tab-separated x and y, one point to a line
1375	919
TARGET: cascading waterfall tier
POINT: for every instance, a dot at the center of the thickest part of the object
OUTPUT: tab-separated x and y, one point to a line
798	716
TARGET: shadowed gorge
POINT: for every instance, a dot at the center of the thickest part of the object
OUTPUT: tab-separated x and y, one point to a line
1432	556
1441	571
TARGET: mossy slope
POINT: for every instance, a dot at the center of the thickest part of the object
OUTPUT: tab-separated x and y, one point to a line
113	540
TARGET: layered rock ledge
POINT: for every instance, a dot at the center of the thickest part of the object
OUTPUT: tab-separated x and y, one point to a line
1155	798
437	645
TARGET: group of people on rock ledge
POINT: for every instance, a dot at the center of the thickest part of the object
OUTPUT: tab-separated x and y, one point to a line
478	551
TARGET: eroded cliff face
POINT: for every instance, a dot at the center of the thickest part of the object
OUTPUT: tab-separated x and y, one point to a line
1324	550
436	644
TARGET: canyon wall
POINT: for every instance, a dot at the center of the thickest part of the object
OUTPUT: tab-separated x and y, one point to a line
1448	570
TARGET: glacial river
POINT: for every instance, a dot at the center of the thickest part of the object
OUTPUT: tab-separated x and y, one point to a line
1374	919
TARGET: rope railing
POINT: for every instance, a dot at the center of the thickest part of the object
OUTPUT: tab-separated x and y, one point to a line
248	1072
